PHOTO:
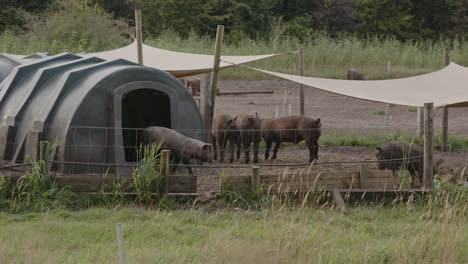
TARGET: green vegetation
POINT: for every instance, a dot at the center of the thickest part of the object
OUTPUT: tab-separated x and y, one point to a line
246	225
82	26
403	233
334	138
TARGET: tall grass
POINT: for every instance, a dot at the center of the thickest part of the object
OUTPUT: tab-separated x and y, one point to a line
37	191
78	28
325	56
147	177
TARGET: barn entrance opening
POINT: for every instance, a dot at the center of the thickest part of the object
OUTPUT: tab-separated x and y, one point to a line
140	109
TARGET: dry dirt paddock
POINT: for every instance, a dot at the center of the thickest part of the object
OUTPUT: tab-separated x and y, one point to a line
338	113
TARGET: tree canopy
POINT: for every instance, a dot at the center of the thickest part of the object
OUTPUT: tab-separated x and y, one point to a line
404	19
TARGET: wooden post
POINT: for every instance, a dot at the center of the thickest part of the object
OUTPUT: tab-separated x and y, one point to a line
420	122
301	87
121	244
364	175
205	102
428	147
339	201
165	162
139	37
214	73
444	143
255	180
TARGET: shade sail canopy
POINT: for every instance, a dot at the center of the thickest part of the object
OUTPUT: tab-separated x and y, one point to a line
446	87
179	64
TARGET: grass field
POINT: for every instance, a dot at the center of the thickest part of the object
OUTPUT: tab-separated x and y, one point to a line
324	56
367	235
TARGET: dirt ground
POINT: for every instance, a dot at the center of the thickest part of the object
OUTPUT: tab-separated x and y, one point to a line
336	111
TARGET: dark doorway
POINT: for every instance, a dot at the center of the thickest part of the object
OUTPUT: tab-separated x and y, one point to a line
140	109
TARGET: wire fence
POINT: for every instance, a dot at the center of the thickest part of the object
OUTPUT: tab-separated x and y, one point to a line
83	150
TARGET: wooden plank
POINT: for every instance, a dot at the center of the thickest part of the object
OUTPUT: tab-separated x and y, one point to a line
386	174
255	180
339	201
363	175
428	144
87	183
245	92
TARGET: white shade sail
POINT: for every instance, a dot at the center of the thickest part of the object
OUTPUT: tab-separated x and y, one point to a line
179	64
445	87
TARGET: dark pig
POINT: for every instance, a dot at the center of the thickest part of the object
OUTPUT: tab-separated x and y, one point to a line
293	129
224	130
353	74
397	155
249	134
182	147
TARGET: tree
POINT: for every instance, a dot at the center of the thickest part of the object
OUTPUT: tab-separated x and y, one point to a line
335	16
11	11
385	17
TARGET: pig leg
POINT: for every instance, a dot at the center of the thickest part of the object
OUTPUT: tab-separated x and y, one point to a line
187	165
214	140
275	150
313	150
231	150
222	149
247	144
268	144
239	141
255	150
176	163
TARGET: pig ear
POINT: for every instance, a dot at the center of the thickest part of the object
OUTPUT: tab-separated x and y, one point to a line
231	122
250	120
379	149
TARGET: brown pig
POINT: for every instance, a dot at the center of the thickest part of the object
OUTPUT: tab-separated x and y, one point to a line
224	130
182	147
292	129
396	155
249	134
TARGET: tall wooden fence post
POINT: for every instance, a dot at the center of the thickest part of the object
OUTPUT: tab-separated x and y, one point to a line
165	162
428	145
121	244
205	102
255	181
215	72
139	37
444	143
301	87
